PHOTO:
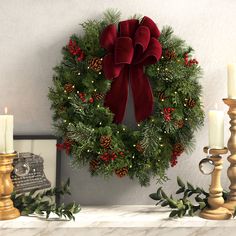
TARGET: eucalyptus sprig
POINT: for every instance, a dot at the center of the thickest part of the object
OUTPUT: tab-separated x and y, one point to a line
192	200
44	202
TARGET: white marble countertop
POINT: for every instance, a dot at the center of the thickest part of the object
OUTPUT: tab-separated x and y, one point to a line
119	220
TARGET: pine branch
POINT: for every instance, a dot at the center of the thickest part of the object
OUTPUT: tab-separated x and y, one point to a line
111	16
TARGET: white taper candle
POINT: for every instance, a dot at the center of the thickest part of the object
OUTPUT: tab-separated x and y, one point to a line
231	80
216	129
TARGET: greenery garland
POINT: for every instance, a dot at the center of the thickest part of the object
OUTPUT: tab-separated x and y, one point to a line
87	127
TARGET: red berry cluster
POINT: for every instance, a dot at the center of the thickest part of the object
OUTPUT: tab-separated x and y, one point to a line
75	50
177	151
188	62
110	156
83	99
66	145
167	113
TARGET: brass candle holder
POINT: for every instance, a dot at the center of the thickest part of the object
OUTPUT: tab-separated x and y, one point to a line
7	210
231	202
216	211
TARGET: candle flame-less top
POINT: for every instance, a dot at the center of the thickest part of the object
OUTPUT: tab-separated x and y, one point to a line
5	109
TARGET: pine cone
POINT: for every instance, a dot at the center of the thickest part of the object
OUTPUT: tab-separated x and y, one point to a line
121	172
95	64
191	103
178	149
94	164
169	55
139	147
161	96
179	124
98	96
68	88
105	141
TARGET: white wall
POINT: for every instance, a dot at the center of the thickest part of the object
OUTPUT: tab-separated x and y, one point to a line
33	32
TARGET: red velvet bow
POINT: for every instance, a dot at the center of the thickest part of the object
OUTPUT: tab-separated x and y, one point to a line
129	49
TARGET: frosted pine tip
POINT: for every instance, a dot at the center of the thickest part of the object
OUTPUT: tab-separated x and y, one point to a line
5	109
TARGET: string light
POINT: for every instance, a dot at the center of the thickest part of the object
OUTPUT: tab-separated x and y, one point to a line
117	131
134	145
92	81
65	121
100	123
79	73
98	106
138	125
123	129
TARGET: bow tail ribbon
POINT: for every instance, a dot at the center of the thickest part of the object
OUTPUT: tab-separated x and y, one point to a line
142	93
116	98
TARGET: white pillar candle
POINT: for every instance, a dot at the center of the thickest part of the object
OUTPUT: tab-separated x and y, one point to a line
6	133
216	129
232	80
2	134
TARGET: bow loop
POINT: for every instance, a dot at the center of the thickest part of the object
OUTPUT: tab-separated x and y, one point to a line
123	50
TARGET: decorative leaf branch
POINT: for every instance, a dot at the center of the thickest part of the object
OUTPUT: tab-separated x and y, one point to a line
193	199
44	202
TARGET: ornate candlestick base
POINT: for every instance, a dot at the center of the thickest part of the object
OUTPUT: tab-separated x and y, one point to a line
7	210
231	202
215	199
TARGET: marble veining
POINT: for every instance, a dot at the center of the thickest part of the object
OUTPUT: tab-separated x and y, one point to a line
118	220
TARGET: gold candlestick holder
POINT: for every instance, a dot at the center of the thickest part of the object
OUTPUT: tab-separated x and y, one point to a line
231	201
216	211
7	210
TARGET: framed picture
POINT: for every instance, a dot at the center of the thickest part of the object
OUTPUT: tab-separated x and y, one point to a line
39	161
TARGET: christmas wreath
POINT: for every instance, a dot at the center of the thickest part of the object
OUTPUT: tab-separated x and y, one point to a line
90	93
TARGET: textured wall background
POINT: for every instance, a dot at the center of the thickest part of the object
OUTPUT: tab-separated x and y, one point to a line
32	34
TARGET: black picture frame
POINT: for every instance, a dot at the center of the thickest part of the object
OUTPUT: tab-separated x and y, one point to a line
58	154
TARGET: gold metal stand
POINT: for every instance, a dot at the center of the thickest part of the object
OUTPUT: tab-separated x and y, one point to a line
7	210
215	199
231	202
